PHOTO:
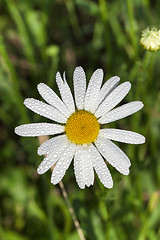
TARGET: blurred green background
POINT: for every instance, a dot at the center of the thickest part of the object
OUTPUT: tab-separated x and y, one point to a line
39	38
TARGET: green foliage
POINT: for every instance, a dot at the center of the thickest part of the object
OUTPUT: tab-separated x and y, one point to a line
39	38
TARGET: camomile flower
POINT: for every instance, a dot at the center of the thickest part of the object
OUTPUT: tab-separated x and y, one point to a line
79	134
150	39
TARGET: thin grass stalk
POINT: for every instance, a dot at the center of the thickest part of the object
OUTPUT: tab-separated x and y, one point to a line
23	33
105	19
13	80
131	23
70	6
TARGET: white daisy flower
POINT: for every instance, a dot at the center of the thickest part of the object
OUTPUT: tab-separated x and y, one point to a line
79	132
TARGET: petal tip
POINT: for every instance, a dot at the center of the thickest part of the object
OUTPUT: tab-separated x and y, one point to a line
126	172
58	75
142	105
129	84
54	182
59	79
26	101
39	171
39	152
82	187
143	140
40	85
16	130
110	185
78	68
100	72
115	79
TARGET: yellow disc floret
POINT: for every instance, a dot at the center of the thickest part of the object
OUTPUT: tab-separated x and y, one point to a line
82	127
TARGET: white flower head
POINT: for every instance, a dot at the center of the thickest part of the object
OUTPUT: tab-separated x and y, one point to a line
150	39
79	132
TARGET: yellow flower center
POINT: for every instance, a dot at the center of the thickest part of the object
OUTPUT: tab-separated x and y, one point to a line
82	127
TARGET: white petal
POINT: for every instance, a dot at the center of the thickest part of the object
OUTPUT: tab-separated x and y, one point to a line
83	167
51	97
79	80
113	155
121	112
108	87
93	89
121	155
51	145
63	164
113	99
78	168
45	110
65	92
52	158
39	129
122	136
101	168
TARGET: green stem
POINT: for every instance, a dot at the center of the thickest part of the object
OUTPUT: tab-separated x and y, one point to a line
148	73
105	18
141	92
70	5
131	23
16	15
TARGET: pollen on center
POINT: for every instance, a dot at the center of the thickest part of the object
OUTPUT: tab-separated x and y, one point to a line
82	127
